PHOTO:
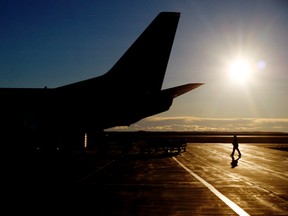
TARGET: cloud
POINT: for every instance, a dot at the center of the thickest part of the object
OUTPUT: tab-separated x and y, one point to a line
190	123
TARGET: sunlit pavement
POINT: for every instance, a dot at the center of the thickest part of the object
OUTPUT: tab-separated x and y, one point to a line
257	184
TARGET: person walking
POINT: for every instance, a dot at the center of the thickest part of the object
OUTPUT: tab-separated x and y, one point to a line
235	146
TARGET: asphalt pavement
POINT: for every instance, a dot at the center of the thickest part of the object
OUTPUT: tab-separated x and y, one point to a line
203	180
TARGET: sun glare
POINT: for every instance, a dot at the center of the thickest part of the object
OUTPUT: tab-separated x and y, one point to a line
239	70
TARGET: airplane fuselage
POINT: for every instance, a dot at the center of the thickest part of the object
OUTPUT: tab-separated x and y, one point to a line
130	91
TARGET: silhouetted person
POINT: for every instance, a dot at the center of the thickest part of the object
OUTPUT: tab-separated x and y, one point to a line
235	146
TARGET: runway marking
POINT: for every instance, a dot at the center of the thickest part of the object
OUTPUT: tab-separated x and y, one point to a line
227	201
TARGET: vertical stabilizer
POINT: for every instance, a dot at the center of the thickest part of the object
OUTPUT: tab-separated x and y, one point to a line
143	65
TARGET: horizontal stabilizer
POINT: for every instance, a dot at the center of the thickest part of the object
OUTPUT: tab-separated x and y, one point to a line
179	90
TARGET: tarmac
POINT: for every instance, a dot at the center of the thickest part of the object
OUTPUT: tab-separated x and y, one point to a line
203	180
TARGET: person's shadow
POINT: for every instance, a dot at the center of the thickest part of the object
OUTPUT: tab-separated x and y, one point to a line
234	161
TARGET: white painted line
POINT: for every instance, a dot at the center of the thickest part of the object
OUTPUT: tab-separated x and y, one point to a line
227	201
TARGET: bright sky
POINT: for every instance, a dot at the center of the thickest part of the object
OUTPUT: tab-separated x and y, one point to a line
239	49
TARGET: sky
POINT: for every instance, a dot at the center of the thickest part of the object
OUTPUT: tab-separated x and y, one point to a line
238	48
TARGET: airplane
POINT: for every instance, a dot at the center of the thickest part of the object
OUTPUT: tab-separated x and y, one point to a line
130	91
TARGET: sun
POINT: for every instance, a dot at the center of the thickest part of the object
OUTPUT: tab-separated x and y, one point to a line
239	70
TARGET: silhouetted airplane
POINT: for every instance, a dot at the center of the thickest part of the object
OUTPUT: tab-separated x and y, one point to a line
127	93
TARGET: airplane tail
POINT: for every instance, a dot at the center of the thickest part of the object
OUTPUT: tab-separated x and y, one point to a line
142	67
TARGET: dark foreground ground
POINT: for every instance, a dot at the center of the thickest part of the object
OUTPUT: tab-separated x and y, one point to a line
135	182
138	175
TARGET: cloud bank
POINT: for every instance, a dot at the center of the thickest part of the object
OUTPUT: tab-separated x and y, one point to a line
189	123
